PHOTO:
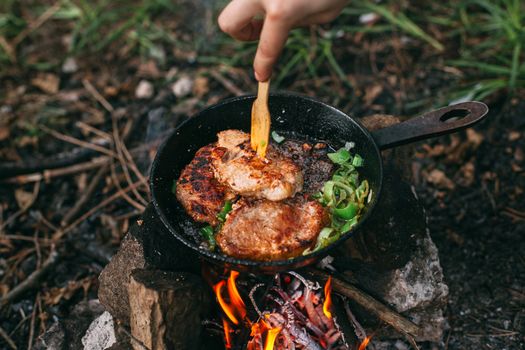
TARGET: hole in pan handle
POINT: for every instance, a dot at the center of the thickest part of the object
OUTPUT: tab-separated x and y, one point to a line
441	121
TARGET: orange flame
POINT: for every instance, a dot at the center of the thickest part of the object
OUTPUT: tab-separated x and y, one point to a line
235	297
270	338
327	305
227	336
225	307
365	342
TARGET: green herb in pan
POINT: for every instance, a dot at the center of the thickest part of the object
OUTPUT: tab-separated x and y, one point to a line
276	137
345	196
224	211
208	232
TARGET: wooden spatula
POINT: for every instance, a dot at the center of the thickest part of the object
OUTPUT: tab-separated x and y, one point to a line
260	130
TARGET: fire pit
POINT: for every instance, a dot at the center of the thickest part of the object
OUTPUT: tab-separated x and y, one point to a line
294	312
386	280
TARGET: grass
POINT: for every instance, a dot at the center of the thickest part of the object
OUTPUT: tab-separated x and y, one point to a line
498	60
95	25
483	39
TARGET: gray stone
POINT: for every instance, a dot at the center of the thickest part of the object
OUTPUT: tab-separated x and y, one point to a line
100	334
70	65
66	334
53	339
182	87
144	90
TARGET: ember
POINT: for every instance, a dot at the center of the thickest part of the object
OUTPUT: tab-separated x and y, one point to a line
296	314
227	335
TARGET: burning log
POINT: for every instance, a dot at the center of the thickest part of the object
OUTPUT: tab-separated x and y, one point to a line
375	307
297	315
166	309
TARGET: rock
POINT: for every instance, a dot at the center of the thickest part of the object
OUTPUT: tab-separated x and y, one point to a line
67	334
53	339
70	65
100	334
182	87
139	251
420	282
394	257
114	278
167	309
144	90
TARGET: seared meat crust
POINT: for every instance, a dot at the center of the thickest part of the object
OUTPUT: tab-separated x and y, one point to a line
198	191
238	166
266	230
316	167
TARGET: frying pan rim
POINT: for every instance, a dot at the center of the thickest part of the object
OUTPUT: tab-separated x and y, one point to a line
255	264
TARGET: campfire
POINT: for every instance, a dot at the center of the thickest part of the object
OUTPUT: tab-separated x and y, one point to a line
290	312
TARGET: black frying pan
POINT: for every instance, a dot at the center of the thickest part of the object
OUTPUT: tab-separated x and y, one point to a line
303	116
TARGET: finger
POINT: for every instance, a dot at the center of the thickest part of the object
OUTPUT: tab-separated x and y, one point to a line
273	37
319	18
237	19
250	32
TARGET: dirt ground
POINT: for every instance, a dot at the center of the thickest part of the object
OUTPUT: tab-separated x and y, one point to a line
115	106
478	224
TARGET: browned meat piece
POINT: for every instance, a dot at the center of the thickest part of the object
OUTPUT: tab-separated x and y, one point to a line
266	230
316	166
237	166
198	191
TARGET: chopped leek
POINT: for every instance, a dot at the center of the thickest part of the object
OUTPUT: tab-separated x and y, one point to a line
221	216
344	196
276	137
209	236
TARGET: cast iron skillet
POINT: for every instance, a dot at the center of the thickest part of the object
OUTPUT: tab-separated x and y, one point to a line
304	116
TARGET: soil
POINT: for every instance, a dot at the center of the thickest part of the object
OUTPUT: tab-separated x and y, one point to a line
472	184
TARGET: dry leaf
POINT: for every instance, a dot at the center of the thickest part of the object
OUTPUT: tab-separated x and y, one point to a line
371	93
54	295
4	289
200	86
514	135
440	179
467	171
24	199
47	82
474	138
4	133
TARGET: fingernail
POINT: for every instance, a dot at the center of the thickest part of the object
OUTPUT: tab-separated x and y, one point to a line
257	76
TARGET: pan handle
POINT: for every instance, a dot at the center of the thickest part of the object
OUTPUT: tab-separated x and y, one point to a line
438	122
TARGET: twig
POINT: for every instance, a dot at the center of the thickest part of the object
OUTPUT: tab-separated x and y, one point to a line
32	325
91	89
116	182
38	164
32	280
375	307
228	84
86	194
36	24
8	339
8	49
93	130
117	141
60	233
48	174
75	141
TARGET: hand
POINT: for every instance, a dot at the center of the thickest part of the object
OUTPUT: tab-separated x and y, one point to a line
238	19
